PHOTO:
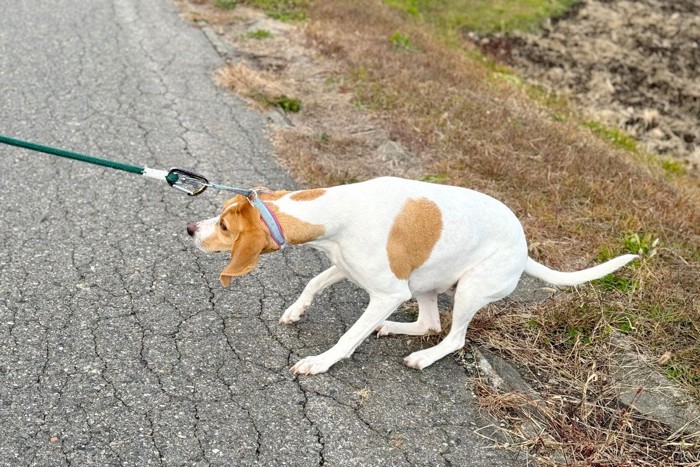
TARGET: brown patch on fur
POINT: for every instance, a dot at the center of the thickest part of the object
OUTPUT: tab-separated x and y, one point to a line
273	196
297	231
218	241
413	235
236	199
222	238
308	195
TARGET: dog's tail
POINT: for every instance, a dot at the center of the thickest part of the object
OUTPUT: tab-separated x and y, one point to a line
535	269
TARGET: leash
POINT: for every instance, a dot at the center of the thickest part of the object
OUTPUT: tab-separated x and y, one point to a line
158	174
183	180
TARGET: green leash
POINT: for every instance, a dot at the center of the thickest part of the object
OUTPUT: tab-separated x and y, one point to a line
184	180
169	177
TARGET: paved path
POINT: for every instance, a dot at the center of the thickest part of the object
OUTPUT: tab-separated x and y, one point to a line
117	344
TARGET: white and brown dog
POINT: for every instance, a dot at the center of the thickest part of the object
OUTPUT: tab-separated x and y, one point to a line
396	239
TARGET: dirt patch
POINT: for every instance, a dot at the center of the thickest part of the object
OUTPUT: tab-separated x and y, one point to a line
629	64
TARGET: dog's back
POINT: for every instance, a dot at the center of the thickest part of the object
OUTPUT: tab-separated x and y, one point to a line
452	227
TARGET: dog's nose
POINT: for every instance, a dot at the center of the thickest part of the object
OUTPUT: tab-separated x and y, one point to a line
192	228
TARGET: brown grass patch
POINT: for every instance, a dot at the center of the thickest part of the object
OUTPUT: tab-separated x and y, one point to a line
594	431
256	85
580	417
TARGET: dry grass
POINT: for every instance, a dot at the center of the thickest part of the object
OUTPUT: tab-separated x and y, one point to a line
257	85
385	75
595	431
580	418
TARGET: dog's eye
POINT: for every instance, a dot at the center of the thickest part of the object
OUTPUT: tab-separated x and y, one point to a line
223	226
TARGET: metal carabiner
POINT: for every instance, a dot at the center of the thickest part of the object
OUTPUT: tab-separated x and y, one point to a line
189	182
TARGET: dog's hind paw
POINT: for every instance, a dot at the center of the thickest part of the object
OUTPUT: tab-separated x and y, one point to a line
312	365
383	329
408	329
419	360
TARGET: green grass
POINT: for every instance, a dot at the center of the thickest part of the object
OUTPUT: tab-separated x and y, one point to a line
636	243
225	4
683	374
288	104
259	34
640	244
434	178
622	140
283	10
618	137
401	42
615	282
673	167
576	333
483	16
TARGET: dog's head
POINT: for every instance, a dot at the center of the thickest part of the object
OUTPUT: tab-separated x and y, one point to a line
237	229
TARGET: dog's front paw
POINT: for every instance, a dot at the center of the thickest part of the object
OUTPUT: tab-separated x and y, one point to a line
312	365
292	314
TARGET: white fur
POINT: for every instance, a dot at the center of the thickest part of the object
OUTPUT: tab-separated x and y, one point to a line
481	249
205	229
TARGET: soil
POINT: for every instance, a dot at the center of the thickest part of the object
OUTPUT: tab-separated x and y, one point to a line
628	64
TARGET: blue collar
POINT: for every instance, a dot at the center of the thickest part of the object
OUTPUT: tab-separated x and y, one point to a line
268	217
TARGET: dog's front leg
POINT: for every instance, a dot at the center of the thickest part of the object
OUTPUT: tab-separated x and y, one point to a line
380	308
327	278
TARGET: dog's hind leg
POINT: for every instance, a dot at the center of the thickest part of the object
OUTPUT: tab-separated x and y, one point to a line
327	278
476	289
428	319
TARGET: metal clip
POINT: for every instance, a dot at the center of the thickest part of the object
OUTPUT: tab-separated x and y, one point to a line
188	182
252	197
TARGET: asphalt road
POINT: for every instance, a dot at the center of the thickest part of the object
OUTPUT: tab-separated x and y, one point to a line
118	346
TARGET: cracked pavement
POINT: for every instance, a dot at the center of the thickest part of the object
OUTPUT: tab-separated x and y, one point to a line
118	346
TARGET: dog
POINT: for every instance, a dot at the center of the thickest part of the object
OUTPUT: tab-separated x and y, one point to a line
397	239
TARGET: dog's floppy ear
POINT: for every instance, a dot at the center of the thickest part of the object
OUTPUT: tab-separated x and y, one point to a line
252	240
245	254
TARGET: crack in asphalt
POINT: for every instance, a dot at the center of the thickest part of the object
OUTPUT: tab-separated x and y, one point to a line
195	428
319	434
152	437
